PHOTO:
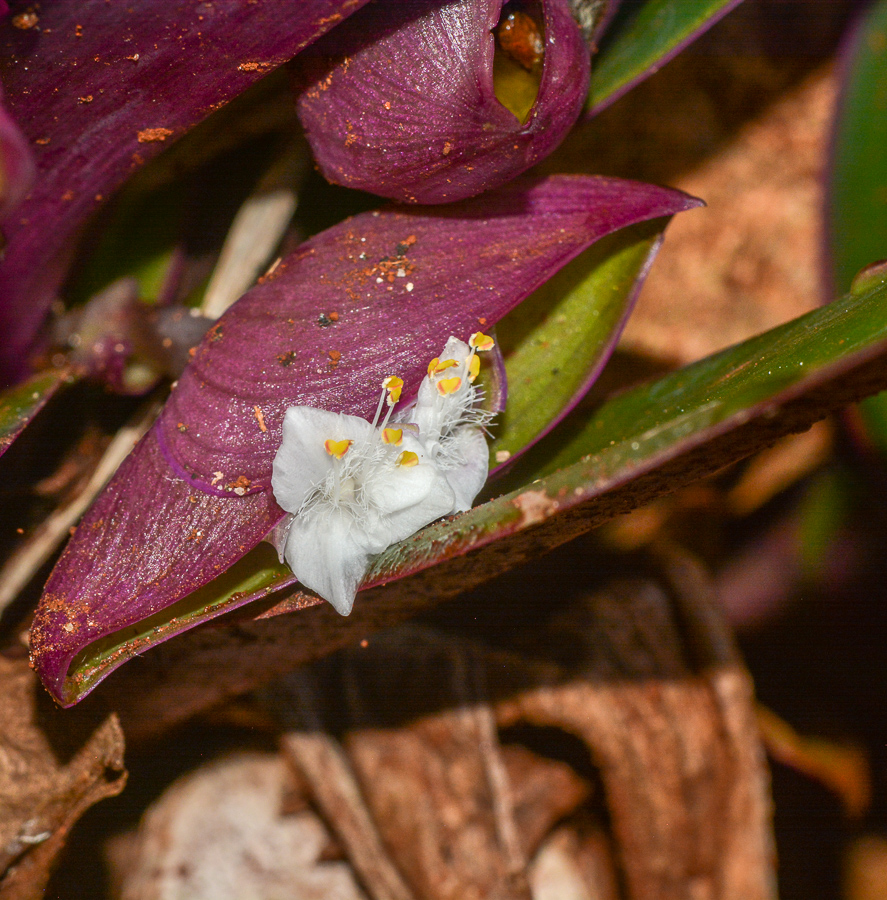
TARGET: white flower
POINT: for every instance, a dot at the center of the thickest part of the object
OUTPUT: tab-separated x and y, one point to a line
449	421
354	488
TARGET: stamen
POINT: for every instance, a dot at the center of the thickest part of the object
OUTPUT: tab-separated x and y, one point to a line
337	449
393	385
407	459
443	366
449	385
391	388
392	436
473	367
432	366
481	341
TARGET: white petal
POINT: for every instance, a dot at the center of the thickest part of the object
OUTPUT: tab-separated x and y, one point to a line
466	465
327	552
439	501
302	462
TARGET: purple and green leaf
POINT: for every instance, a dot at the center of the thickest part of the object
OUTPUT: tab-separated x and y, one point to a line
646	41
400	100
596	293
376	295
100	88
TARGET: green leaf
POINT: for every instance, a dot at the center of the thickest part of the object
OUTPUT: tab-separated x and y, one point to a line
19	404
824	510
857	216
557	340
857	213
651	425
721	409
653	35
138	240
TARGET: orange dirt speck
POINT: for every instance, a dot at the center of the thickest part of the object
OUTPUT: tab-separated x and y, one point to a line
151	135
25	20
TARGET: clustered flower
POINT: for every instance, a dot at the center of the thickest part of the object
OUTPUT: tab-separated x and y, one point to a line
353	488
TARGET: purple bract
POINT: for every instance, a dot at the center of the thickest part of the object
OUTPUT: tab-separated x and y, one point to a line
376	295
400	101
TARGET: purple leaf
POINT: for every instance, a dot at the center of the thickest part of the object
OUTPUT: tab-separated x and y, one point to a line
376	295
16	162
400	101
99	88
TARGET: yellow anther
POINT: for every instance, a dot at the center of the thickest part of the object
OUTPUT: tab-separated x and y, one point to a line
394	386
473	368
392	436
481	341
408	459
432	366
337	448
443	365
449	385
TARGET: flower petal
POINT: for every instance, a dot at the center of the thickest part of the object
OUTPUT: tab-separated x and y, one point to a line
329	556
399	100
466	479
99	88
302	462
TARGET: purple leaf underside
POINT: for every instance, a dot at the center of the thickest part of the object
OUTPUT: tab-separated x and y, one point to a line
99	89
376	295
400	101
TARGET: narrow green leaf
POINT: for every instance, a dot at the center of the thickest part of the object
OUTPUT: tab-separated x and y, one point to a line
659	30
653	426
857	212
857	219
557	340
138	241
655	423
19	404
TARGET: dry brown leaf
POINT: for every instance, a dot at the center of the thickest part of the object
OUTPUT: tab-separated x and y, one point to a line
665	709
865	868
544	791
843	768
424	751
53	767
221	833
